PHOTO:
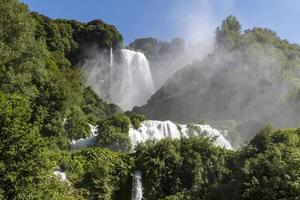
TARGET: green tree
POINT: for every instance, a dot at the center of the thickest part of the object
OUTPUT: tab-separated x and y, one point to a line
266	169
95	108
25	167
272	168
175	168
77	125
228	34
113	133
99	173
19	50
136	120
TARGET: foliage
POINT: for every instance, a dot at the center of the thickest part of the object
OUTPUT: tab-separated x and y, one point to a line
98	173
154	48
73	38
172	168
136	120
113	133
229	34
43	104
18	49
272	170
77	125
251	77
25	167
39	88
99	33
56	33
96	108
268	168
96	34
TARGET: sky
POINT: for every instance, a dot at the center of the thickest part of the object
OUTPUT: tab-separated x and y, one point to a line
192	20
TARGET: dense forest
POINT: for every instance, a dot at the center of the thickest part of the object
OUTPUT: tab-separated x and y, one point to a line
45	104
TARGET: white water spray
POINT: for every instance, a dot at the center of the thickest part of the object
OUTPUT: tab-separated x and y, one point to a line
152	129
62	175
127	83
111	62
85	142
111	68
132	80
137	186
162	129
158	130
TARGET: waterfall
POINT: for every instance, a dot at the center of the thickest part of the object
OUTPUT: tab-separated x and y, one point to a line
127	82
152	129
133	84
157	130
137	186
111	69
85	142
62	175
111	62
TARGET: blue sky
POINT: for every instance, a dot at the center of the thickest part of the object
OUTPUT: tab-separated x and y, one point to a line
166	19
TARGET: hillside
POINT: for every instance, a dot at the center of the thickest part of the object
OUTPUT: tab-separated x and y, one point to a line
251	75
60	141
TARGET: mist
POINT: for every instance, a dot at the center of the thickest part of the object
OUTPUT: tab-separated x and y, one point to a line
111	82
249	88
125	81
195	79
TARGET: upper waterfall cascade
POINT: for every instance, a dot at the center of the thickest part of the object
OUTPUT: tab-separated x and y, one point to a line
126	82
132	83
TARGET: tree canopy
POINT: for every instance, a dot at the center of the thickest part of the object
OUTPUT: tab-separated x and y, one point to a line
44	104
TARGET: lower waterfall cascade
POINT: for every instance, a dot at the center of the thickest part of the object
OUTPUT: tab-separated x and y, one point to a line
61	175
85	142
137	186
153	129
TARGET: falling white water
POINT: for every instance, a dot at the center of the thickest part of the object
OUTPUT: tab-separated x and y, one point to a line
62	175
111	69
157	130
137	186
111	57
152	129
127	83
85	142
132	80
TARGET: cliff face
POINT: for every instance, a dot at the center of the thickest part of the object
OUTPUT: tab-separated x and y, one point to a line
255	81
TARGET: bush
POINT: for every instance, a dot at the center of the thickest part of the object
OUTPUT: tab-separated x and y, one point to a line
136	120
98	173
267	169
77	125
172	168
113	133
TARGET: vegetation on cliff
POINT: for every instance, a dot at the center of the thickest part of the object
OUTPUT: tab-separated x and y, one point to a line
44	104
251	76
